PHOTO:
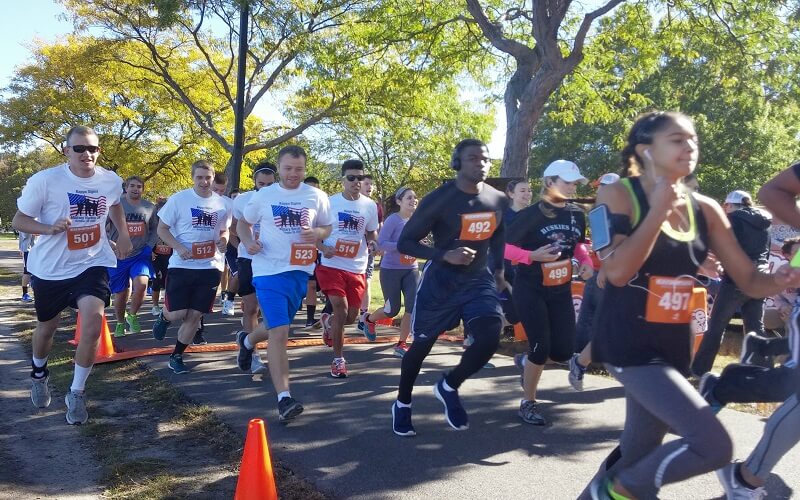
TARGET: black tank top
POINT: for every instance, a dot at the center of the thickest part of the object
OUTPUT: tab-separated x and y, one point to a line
623	335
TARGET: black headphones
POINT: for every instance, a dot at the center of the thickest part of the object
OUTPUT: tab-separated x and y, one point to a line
455	159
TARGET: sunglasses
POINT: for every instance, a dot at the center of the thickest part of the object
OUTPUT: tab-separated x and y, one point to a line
352	178
83	149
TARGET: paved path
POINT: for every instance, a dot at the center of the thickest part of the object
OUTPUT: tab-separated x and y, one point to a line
343	442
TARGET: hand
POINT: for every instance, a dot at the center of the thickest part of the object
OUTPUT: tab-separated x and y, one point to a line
601	279
585	271
222	244
60	225
308	234
461	256
787	276
785	310
372	245
184	252
546	253
254	247
124	246
501	283
664	196
327	252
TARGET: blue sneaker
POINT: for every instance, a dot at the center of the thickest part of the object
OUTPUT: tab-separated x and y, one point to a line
367	327
245	356
706	389
176	364
160	327
453	411
26	298
401	421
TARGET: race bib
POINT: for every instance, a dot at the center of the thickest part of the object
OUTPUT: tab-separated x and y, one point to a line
163	250
478	226
668	300
135	229
347	248
557	273
79	238
407	259
303	254
204	250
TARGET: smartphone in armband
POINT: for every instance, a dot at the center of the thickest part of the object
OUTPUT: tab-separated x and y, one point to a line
600	224
795	262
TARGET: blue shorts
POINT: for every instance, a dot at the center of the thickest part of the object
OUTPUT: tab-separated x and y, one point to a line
446	297
139	265
280	296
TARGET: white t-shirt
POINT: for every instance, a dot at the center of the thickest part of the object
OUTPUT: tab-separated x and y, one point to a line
280	214
352	219
239	203
197	223
57	193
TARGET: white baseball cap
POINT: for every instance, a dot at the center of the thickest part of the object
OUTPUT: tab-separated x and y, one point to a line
566	170
738	197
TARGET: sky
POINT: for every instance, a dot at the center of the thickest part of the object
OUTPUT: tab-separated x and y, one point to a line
27	21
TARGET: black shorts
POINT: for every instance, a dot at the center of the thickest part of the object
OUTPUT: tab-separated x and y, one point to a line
245	277
160	266
232	259
53	296
193	289
548	317
25	263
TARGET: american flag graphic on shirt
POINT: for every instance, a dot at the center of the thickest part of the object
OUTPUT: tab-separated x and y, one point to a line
87	206
284	216
349	222
203	219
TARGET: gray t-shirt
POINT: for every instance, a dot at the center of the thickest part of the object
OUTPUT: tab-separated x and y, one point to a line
142	225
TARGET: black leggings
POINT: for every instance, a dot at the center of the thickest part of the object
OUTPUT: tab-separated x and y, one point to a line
548	317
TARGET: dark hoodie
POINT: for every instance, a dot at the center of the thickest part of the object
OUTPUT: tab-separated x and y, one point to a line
751	225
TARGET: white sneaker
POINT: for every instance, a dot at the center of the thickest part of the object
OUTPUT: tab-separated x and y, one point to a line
256	365
155	311
228	308
733	489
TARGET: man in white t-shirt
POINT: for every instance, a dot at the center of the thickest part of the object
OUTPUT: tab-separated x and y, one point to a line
194	222
292	218
68	206
344	259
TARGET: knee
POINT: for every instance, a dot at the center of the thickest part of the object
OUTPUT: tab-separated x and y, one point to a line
486	331
712	441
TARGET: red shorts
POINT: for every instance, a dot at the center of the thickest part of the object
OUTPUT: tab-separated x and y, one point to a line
337	283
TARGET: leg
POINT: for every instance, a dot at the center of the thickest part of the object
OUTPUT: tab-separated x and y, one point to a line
138	294
753	316
120	304
411	365
91	310
190	324
583	326
753	384
250	321
486	332
278	358
338	320
533	312
727	302
405	327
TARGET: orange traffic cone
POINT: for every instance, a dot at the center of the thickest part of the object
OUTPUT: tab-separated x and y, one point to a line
77	338
256	481
106	347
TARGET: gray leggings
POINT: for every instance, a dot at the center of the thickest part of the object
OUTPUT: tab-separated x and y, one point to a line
397	281
659	399
781	434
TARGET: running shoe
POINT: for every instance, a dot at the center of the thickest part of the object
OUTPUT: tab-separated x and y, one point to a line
529	413
751	355
26	298
160	327
119	330
310	323
256	365
734	490
600	488
133	323
228	308
706	389
198	338
576	372
176	364
519	362
401	421
288	409
76	408
400	349
367	327
339	368
245	356
454	413
40	391
325	319
155	311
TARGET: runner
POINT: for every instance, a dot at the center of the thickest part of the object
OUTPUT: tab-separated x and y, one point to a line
459	282
26	242
549	230
312	286
161	254
292	217
399	273
642	329
367	187
519	192
136	269
194	222
230	274
344	259
68	205
263	176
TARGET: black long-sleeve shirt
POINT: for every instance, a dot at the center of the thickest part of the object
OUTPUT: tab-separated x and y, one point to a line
457	219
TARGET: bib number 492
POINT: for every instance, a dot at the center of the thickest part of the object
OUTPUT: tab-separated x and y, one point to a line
477	226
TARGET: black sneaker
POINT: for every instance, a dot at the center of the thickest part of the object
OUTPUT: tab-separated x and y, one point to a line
706	389
751	351
288	409
401	421
176	364
160	327
454	413
198	338
245	356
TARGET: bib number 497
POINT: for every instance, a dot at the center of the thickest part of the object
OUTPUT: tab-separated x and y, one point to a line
668	300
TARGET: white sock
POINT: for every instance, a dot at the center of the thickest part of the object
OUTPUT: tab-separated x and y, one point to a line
338	359
79	378
39	362
446	387
247	343
402	405
284	394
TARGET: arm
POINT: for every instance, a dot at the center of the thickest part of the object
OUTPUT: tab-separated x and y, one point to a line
117	215
516	254
27	224
166	236
779	196
234	232
152	230
417	228
386	232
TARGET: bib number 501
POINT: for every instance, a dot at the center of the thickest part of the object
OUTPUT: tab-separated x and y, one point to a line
82	237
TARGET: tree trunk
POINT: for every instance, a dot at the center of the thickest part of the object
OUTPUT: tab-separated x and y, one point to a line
519	133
